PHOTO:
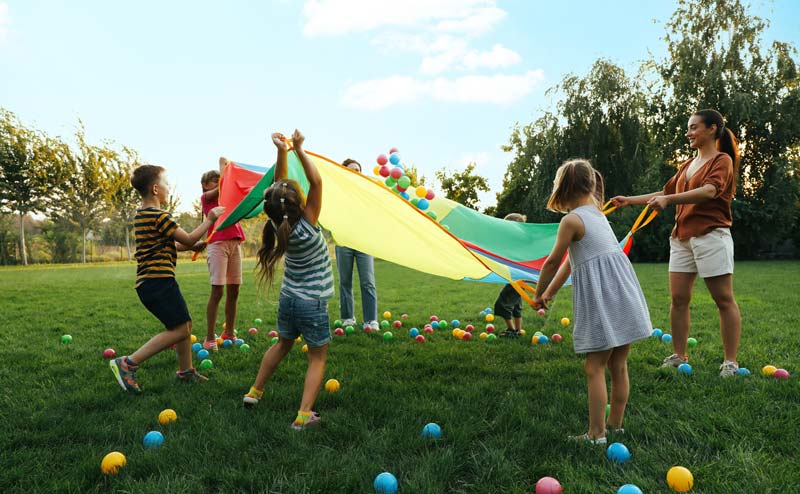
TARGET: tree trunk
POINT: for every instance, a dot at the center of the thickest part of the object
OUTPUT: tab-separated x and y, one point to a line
128	241
23	250
83	239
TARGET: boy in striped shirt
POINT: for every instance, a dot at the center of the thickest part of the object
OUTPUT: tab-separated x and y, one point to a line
158	238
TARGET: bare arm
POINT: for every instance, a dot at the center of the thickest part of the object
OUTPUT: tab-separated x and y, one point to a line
622	201
694	196
571	226
558	281
281	163
212	194
189	239
314	196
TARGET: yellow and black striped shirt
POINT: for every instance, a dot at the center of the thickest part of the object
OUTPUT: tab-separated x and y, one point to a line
156	254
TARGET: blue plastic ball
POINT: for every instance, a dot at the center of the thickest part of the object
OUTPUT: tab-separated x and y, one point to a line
435	324
483	313
405	195
153	439
629	489
394	159
413	332
455	323
666	338
685	369
543	339
657	333
197	347
618	453
385	483
432	431
202	354
742	372
423	204
239	342
227	343
488	310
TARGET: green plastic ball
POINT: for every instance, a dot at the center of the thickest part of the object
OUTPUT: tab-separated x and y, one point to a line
337	323
349	330
66	338
388	336
385	324
274	340
491	337
692	342
256	321
244	347
206	364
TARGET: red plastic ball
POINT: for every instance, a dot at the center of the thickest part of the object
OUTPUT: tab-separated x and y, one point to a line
396	173
420	338
382	159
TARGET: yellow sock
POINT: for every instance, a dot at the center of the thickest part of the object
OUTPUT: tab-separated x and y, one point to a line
255	393
302	417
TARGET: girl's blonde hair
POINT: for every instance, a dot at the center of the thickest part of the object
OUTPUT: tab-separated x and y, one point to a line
574	180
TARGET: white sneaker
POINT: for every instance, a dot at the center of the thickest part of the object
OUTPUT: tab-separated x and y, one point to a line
674	360
349	322
373	325
586	438
728	368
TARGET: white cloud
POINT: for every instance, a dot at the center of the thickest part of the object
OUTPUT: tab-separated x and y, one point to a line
499	57
454	53
378	94
5	21
335	17
478	22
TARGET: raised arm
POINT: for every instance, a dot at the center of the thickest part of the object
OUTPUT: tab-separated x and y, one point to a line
314	196
281	165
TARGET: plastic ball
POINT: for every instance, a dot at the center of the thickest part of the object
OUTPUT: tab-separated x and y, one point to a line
349	330
768	370
388	336
404	316
454	332
385	483
557	338
194	339
420	192
238	342
112	462
420	338
376	170
382	159
387	315
304	348
299	339
488	310
253	331
544	340
394	150
396	173
629	489
338	323
197	347
423	204
245	347
428	329
657	333
413	332
384	171
666	338
742	371
680	479
685	369
366	327
535	339
390	182
565	321
443	324
435	324
455	323
397	324
483	335
256	321
109	353
691	342
538	333
489	317
781	374
404	182
491	337
385	324
153	439
219	342
618	453
548	485
167	416
272	334
66	338
394	158
490	328
522	332
227	343
206	364
430	194
541	312
434	318
338	331
466	336
432	431
203	353
432	215
332	385
468	328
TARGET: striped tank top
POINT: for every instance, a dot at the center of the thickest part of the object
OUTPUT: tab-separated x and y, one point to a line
156	254
308	274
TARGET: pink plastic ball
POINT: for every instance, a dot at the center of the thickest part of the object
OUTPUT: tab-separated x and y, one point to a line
273	334
404	316
109	353
781	374
430	194
434	318
428	329
541	312
397	324
394	150
396	173
548	485
382	159
470	328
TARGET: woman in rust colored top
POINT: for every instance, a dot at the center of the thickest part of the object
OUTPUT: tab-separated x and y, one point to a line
701	243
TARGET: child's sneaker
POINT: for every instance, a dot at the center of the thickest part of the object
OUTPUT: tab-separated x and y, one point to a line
675	360
349	322
125	374
252	397
191	375
510	333
306	420
728	368
374	326
588	439
210	345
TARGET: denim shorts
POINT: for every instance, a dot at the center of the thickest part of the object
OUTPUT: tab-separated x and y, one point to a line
297	316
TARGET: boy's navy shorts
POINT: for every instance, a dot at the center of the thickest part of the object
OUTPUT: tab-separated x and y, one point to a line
163	299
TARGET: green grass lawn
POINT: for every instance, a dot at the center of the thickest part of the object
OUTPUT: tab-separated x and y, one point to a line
505	407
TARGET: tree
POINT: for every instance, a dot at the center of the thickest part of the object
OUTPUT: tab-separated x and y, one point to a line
29	171
463	186
121	196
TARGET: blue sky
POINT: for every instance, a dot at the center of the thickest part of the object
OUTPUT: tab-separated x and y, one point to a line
442	80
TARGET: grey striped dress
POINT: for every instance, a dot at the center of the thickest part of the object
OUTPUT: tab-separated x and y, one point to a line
308	273
609	306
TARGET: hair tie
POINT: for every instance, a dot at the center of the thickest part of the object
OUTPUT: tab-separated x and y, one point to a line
283	199
284	184
285	216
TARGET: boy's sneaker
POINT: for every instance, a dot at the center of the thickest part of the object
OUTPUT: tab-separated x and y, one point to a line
210	345
349	322
587	439
674	360
510	333
191	375
312	421
728	368
126	376
374	326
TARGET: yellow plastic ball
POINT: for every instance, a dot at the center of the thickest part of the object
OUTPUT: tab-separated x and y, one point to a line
535	340
332	385
768	370
387	315
680	479
376	170
305	348
489	317
454	332
565	321
460	333
167	416
194	339
522	332
112	462
224	326
483	335
298	339
219	341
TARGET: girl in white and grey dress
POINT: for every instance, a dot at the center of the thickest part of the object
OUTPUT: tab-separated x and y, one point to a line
610	311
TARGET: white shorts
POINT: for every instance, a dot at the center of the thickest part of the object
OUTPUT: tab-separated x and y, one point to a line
708	255
225	262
